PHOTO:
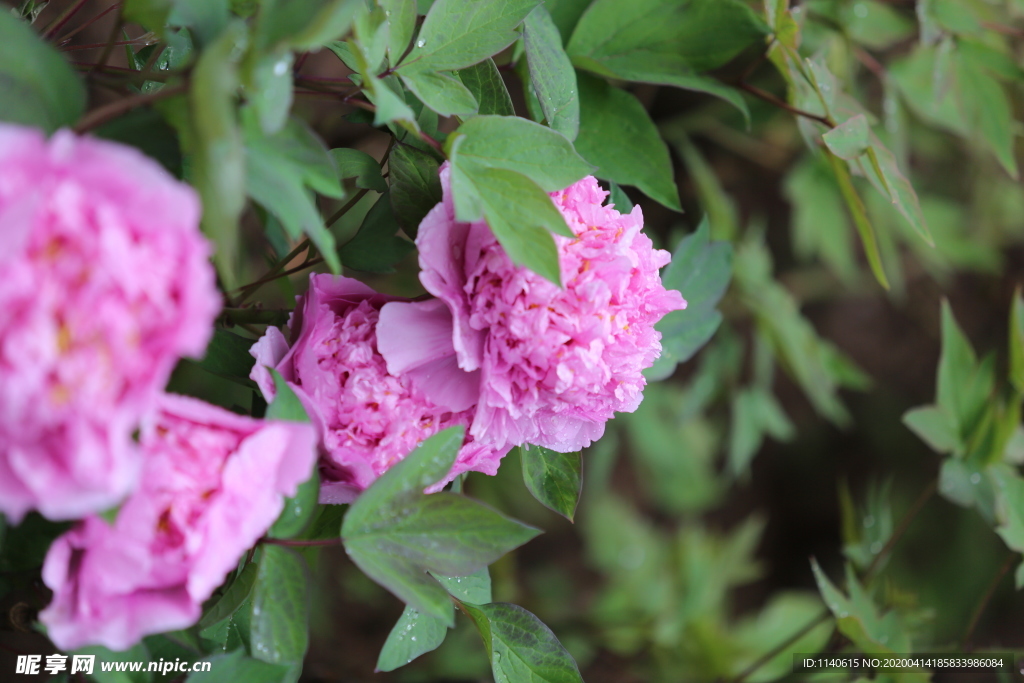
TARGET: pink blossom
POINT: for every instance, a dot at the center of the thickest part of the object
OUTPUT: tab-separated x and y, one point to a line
213	482
552	364
106	283
368	418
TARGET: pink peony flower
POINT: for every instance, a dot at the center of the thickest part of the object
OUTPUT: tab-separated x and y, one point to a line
106	283
213	482
367	417
550	365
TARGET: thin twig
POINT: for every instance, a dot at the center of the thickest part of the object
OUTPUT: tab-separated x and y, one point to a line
781	647
345	209
989	592
105	55
63	40
782	104
98	117
64	17
298	543
901	529
904	524
93	46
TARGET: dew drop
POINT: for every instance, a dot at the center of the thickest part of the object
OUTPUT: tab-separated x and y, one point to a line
975	478
281	68
869	522
876	548
413	639
420	43
844	614
861	10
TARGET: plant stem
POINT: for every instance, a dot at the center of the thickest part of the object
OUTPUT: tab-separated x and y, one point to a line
98	117
63	18
63	40
300	543
781	647
904	524
781	104
105	55
989	592
93	46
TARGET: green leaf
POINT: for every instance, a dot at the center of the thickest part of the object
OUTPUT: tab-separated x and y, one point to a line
858	618
820	227
353	163
401	16
286	405
441	92
475	587
376	248
1011	522
755	412
987	110
521	215
516	144
228	356
700	270
618	137
457	34
269	90
280	168
621	40
849	140
235	666
566	14
395	533
885	175
520	646
817	366
299	510
551	73
958	367
148	131
280	607
205	19
39	88
618	198
554	479
413	634
1017	342
934	427
219	159
855	205
303	25
484	81
968	486
415	185
874	24
232	599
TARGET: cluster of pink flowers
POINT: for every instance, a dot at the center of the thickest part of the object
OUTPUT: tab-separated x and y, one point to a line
213	482
107	283
500	349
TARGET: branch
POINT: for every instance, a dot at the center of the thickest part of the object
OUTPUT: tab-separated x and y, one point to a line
97	117
300	543
989	592
781	104
63	18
